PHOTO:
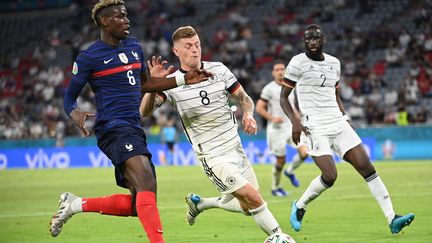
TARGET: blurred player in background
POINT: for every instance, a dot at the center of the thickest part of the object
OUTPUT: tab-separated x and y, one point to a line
315	76
169	137
211	128
279	130
115	69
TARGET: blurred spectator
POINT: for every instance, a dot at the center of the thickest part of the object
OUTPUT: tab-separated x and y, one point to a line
411	91
403	117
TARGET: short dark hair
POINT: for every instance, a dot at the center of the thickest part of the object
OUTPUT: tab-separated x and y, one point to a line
278	61
101	5
312	27
183	32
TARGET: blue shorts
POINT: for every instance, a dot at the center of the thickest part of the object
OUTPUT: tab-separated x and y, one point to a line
121	143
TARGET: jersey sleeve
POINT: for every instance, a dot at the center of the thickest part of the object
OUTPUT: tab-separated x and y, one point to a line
292	73
265	93
231	83
81	71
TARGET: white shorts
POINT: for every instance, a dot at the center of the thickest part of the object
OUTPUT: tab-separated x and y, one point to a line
230	175
341	141
277	139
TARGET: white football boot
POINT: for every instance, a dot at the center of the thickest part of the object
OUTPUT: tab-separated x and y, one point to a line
192	201
63	214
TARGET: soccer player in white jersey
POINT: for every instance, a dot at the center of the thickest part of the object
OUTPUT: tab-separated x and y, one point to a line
211	128
279	130
315	76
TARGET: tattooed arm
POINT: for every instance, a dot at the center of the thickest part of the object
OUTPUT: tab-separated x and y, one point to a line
247	105
149	103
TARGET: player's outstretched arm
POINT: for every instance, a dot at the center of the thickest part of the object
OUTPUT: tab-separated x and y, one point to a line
292	115
247	105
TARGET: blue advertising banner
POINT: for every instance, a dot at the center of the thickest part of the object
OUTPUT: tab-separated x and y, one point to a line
91	156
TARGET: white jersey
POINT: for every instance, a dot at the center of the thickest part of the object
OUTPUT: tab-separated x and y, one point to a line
316	83
271	94
207	119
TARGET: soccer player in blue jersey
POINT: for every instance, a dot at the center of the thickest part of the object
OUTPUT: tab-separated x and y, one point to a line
115	69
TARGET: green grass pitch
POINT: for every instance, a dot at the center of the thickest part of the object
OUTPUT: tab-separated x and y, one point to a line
345	213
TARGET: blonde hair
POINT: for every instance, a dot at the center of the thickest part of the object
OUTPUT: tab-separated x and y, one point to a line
183	32
101	5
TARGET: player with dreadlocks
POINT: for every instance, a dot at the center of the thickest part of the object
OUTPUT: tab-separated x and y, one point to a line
114	66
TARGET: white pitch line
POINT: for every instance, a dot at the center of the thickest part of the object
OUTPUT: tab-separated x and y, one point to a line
37	214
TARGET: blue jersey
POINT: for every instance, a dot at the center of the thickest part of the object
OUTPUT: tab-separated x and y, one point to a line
113	72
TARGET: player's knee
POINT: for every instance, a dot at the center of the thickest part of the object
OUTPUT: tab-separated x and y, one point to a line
303	155
329	179
251	199
303	152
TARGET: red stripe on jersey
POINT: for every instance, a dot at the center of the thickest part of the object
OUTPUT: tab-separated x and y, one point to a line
117	69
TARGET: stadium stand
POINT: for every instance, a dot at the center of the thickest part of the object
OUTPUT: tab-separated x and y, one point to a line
387	60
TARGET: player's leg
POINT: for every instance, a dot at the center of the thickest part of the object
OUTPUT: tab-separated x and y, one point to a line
117	204
218	175
276	141
319	147
277	190
139	172
251	200
230	203
298	159
357	156
237	179
349	146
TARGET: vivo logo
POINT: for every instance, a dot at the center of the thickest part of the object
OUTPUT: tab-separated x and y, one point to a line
43	160
99	159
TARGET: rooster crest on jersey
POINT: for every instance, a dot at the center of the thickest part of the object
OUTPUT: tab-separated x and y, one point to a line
279	238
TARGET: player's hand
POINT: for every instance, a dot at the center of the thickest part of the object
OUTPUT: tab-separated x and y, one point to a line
277	119
157	68
249	123
194	76
297	129
79	118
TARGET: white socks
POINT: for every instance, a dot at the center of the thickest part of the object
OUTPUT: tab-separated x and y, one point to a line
379	191
297	161
262	215
215	202
276	177
315	188
76	205
265	219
